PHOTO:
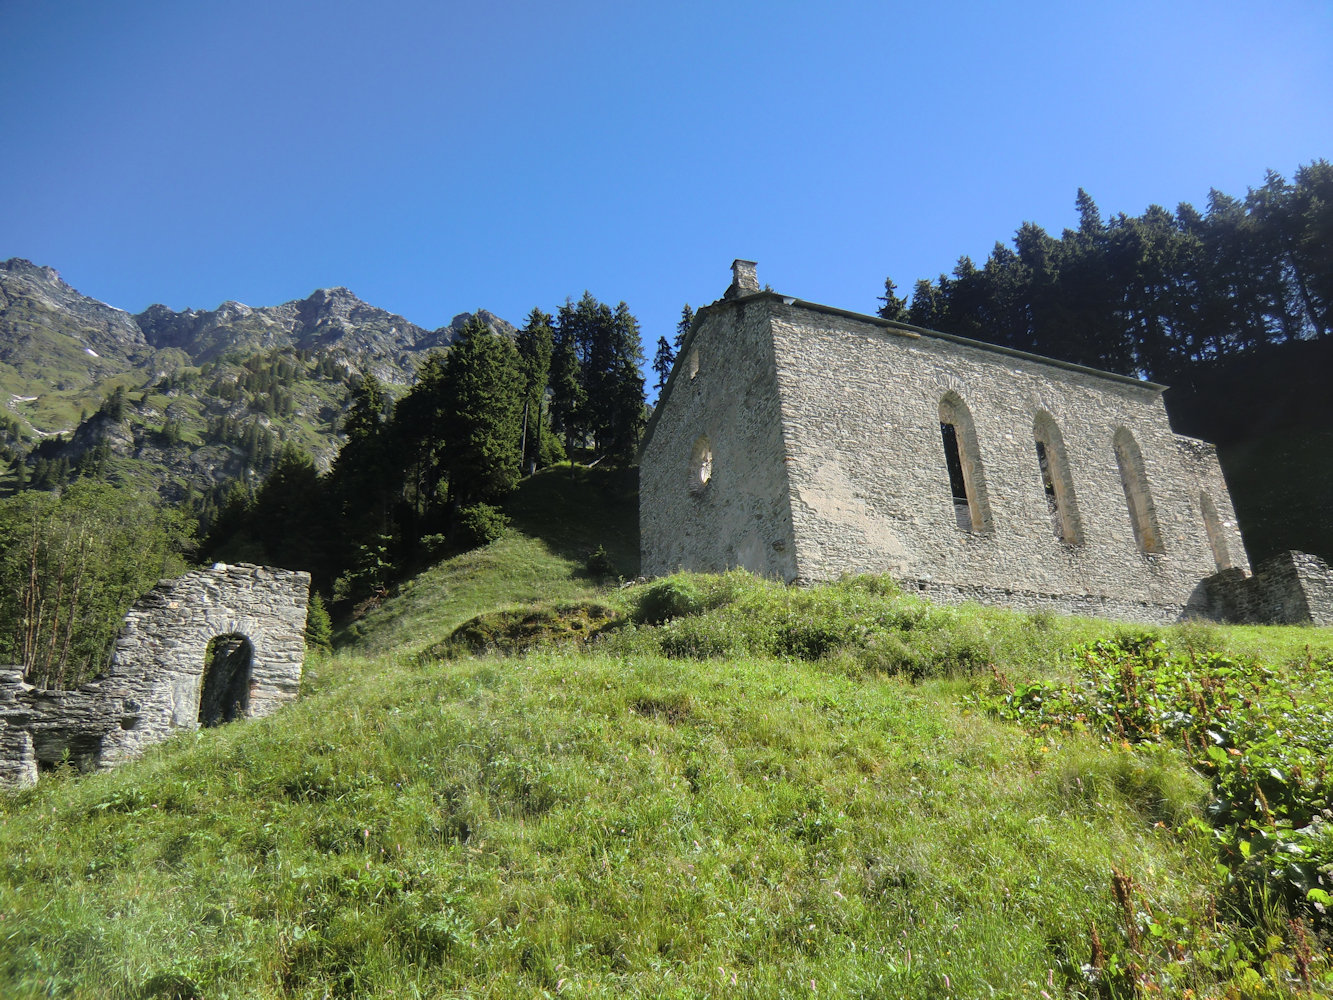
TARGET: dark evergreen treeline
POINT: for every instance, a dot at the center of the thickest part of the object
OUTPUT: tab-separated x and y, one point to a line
413	480
421	476
71	564
1149	295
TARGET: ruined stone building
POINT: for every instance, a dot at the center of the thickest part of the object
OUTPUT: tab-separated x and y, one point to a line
209	647
805	442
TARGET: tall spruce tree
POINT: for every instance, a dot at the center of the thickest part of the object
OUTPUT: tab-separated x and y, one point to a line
609	351
663	361
683	326
568	399
893	306
535	343
482	389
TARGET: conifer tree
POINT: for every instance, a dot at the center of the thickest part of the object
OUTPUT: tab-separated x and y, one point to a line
567	396
663	361
683	326
535	343
894	307
482	392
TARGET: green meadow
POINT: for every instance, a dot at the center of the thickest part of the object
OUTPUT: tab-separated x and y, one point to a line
517	779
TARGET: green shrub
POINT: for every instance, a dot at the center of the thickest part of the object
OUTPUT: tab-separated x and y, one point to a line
480	525
318	625
552	451
599	564
675	597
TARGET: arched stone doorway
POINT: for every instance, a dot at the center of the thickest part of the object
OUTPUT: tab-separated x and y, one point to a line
225	693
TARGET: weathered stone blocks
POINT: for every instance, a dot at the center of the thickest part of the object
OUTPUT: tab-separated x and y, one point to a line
210	646
842	443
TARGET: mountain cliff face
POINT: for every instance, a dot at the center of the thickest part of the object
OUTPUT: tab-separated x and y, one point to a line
35	305
208	394
330	319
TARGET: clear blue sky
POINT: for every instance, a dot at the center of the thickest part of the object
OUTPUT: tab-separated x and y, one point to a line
440	157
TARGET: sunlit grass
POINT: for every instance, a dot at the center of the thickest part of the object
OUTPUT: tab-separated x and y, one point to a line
588	825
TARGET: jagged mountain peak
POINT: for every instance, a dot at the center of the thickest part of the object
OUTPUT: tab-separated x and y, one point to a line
32	294
22	267
494	322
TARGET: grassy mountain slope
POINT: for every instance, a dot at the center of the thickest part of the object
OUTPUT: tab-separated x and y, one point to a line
636	820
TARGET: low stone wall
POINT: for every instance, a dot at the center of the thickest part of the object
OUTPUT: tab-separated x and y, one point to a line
160	672
1290	588
1085	605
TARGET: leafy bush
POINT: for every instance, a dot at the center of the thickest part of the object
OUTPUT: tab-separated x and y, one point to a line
675	597
70	568
552	451
480	524
1260	733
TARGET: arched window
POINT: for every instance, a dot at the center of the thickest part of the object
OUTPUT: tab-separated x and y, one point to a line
1142	514
692	363
225	694
967	478
701	464
1213	525
1056	479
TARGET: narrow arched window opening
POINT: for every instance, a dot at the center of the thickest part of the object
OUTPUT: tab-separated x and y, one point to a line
1216	537
962	457
701	464
225	694
1138	498
692	363
1056	480
962	509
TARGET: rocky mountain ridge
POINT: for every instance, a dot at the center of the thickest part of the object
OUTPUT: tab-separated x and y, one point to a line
202	397
46	324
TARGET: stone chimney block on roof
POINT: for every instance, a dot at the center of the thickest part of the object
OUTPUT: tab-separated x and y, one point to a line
744	279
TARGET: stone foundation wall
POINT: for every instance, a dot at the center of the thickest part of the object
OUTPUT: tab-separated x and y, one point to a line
153	685
1290	588
1084	605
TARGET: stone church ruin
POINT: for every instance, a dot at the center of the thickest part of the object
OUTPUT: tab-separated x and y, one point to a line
805	442
206	648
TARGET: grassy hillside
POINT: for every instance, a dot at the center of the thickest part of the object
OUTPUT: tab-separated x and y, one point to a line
735	790
560	516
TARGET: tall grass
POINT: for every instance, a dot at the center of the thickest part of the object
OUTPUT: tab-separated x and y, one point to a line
737	789
588	825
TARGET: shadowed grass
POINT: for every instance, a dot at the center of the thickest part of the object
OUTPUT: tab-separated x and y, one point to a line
559	517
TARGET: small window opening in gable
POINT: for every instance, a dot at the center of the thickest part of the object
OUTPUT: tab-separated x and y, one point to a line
701	465
225	695
692	363
1133	476
962	457
1217	538
1056	480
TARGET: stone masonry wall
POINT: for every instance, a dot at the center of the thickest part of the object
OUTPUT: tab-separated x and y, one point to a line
870	486
722	391
1290	588
152	688
825	456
